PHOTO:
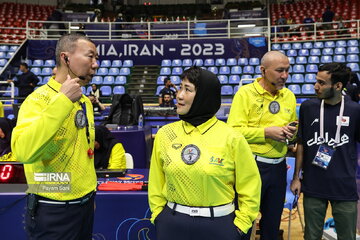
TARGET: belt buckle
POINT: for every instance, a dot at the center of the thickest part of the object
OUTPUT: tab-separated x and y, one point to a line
194	211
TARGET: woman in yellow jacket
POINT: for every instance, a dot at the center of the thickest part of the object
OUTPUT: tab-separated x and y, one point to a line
109	152
198	165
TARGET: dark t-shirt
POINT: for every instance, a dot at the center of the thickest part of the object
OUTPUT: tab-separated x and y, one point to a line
338	182
23	83
166	90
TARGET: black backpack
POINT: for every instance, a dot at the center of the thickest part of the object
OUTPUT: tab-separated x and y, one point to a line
125	110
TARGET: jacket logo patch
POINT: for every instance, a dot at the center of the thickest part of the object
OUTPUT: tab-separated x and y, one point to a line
216	161
176	146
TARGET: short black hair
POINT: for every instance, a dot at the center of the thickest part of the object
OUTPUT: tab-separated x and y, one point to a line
166	79
192	74
339	72
25	65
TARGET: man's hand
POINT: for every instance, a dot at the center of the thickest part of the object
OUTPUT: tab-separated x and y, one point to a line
290	130
2	134
295	186
71	88
9	80
275	133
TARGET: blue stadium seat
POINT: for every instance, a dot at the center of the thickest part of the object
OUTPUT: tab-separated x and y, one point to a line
353	50
254	61
297	78
307	45
223	79
88	91
36	70
113	71
9	55
124	71
286	46
275	46
312	68
209	62
231	62
224	70
340	50
243	61
354	66
29	62
352	43
97	80
310	77
352	58
46	71
122	80
298	68
329	44
220	62
177	71
41	80
213	69
291	53
246	76
234	79
313	59
288	80
303	52
257	69
318	45
13	48
119	90
49	63
128	63
8	94
175	80
165	71
158	89
296	46
339	58
301	60
176	63
307	89
187	63
83	89
2	55
226	90
340	43
102	71
257	76
327	51
105	91
236	88
4	48
3	62
198	62
160	80
108	80
291	60
326	59
248	69
116	63
295	88
236	70
37	63
105	63
315	52
166	63
46	79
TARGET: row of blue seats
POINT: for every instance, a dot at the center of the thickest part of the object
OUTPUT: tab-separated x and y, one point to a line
318	52
8	48
109	80
295	68
310	45
6	55
103	63
324	59
210	62
100	72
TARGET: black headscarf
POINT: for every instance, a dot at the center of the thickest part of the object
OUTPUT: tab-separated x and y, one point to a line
5	143
207	99
107	141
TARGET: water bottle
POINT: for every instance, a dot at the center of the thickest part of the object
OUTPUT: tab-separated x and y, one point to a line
141	121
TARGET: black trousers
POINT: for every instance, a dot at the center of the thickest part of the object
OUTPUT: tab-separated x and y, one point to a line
60	222
273	190
178	226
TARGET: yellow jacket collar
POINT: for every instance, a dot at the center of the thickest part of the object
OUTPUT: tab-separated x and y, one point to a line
188	128
261	90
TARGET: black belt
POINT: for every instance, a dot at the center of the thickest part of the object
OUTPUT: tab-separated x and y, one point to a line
80	201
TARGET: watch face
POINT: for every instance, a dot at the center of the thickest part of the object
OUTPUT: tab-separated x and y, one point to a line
80	119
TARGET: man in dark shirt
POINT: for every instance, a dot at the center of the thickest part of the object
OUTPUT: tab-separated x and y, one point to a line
169	88
327	16
329	128
26	82
167	101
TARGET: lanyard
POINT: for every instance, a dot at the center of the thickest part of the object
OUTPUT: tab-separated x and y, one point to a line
337	136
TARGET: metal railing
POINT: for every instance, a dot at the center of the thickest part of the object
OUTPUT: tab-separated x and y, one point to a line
11	91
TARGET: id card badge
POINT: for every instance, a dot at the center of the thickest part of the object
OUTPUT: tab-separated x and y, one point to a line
323	156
